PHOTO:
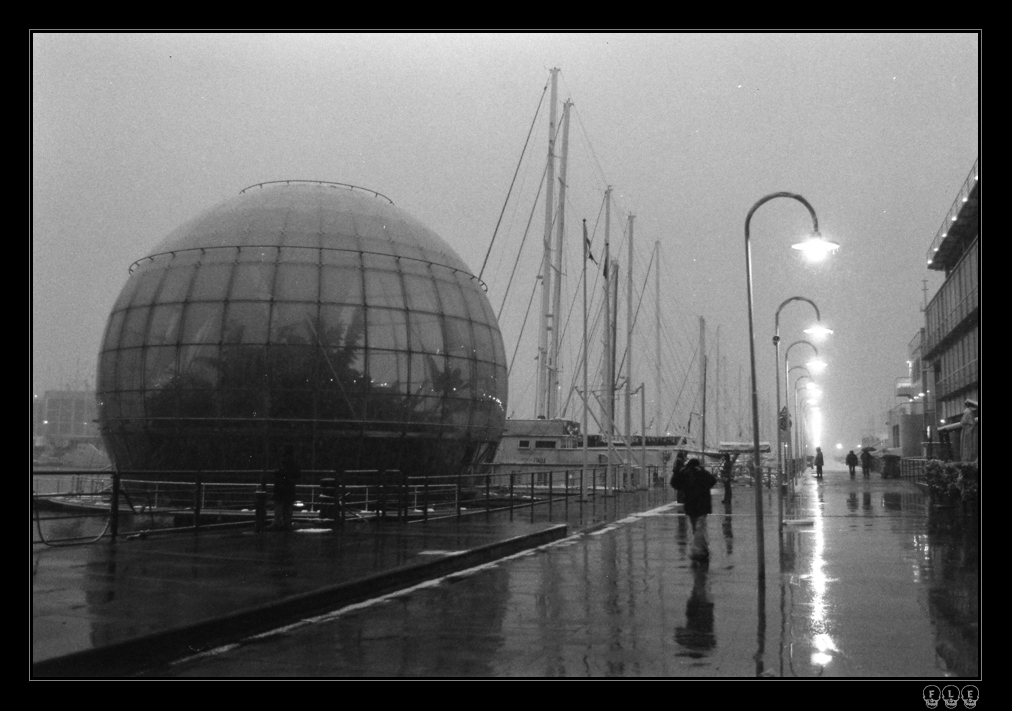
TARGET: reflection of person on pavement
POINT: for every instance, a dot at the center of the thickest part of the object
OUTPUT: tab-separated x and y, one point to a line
697	635
852	463
725	527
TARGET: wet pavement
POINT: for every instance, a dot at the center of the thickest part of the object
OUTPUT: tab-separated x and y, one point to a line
869	581
111	609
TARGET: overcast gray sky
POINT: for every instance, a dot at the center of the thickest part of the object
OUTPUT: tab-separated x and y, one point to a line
134	134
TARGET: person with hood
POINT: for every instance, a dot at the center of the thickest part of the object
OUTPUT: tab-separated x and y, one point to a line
852	463
866	463
819	461
675	470
695	483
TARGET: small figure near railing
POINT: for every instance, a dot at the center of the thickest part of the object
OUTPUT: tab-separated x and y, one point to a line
285	478
260	507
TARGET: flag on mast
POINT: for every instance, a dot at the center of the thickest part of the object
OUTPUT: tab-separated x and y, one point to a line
586	242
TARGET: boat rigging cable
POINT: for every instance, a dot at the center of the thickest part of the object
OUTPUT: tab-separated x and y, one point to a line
513	182
677	399
593	329
523	241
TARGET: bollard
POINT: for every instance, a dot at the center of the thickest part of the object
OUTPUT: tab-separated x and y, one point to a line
114	506
260	507
329	499
512	479
198	502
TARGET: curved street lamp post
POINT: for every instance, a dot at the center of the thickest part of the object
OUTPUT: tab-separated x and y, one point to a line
756	461
792	454
785	424
787	369
800	447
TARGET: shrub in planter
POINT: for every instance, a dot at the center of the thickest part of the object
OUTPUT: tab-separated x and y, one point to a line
968	481
942	479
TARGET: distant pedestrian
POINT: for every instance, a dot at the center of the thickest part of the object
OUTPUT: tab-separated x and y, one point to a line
675	470
852	463
726	470
866	463
284	489
819	461
695	483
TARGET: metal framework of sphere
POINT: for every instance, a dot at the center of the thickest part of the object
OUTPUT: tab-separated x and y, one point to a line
315	314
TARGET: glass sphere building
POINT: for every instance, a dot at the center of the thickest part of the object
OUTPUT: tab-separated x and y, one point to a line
315	314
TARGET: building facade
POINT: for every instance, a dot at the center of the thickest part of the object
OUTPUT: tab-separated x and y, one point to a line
64	417
952	318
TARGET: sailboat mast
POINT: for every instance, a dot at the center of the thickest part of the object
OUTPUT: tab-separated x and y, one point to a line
716	392
586	380
629	354
613	272
553	358
702	381
657	335
541	401
608	363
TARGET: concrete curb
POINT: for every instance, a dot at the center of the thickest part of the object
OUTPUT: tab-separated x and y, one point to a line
135	655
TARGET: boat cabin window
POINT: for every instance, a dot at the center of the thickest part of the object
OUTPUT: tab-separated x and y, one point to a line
525	444
544	444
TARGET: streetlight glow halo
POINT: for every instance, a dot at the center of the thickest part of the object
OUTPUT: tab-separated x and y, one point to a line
816	365
816	247
818	330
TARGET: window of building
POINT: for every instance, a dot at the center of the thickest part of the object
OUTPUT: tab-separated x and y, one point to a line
525	444
544	444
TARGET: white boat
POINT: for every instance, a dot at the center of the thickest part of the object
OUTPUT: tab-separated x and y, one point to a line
558	444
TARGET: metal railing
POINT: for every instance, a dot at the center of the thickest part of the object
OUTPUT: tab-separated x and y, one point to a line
81	507
74	507
912	467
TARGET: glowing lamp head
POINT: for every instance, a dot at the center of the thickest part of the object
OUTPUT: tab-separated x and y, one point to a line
818	331
815	365
816	247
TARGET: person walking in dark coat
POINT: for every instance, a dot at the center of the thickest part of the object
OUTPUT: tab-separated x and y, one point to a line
284	489
852	463
726	469
866	463
819	461
695	483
